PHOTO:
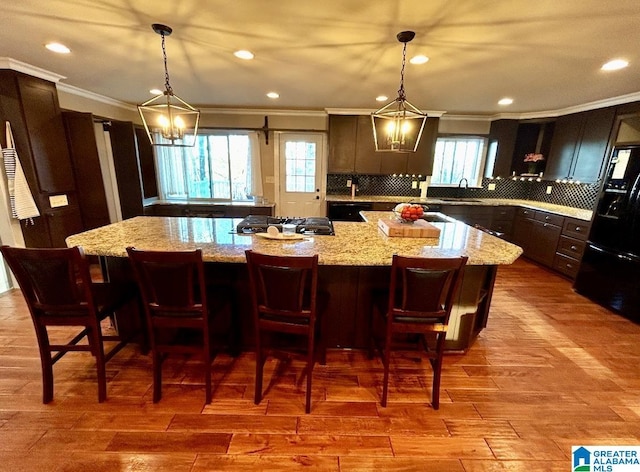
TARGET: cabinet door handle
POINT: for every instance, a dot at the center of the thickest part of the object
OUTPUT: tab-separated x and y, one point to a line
574	248
547	218
545	225
569	266
578	229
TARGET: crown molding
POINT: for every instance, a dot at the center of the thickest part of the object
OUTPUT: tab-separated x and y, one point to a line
96	97
262	112
19	66
368	111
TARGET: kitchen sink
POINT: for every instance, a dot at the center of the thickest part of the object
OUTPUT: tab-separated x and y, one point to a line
435	218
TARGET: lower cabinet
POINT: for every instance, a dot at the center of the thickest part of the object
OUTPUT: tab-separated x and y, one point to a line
470	214
537	233
573	240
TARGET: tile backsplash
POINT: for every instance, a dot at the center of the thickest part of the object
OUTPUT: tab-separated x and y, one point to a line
574	195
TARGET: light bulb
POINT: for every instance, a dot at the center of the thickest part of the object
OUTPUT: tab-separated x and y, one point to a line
179	122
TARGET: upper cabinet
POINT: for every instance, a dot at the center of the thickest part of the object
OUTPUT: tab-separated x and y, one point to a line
503	133
579	145
515	139
352	150
31	106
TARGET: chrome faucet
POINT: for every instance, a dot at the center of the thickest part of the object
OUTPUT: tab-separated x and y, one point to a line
466	183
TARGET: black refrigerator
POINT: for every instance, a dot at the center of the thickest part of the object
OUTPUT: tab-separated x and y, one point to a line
610	270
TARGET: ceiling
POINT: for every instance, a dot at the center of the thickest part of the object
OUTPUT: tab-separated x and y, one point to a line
337	54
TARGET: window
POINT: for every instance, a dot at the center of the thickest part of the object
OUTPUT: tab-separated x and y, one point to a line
300	161
458	157
218	167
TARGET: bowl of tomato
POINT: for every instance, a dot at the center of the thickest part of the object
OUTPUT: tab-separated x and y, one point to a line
408	213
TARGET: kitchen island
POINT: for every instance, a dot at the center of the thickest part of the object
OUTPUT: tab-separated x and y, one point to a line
354	262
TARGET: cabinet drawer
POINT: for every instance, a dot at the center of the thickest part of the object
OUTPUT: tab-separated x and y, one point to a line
576	228
566	265
503	213
550	218
571	247
525	213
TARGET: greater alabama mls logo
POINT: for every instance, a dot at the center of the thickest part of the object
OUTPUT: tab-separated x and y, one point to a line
605	458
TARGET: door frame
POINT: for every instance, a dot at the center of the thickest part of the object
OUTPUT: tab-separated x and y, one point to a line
278	174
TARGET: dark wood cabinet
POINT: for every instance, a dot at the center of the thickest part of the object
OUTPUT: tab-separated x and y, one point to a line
578	149
367	160
470	214
352	149
537	233
502	218
504	134
31	106
571	246
127	168
342	144
83	151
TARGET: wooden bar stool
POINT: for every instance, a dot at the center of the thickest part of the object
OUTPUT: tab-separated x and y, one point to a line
284	294
174	294
57	286
420	298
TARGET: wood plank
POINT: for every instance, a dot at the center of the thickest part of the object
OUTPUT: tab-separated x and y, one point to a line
304	444
519	391
418	229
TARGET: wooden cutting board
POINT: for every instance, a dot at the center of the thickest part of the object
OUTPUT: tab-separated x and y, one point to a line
417	229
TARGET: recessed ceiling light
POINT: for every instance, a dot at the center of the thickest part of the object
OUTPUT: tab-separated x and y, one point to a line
505	101
381	98
616	64
57	47
273	95
243	54
156	92
419	59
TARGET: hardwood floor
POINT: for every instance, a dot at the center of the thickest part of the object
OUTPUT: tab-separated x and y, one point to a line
550	371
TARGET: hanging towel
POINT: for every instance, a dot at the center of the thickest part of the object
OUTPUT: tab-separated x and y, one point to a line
22	205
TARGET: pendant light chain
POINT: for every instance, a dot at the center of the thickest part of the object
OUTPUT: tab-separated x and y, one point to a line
167	85
401	95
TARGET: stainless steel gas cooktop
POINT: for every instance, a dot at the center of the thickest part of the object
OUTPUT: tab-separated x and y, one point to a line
310	225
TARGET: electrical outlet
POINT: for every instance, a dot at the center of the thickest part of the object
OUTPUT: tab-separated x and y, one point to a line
492	187
348	182
414	184
270	179
549	188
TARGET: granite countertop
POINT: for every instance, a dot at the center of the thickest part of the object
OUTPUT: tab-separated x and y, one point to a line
562	210
355	243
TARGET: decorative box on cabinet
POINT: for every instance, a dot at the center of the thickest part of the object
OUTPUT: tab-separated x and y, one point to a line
571	247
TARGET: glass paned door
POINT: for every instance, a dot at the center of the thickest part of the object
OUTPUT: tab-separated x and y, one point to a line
301	171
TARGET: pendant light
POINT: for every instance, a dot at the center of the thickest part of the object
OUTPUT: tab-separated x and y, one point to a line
169	120
398	125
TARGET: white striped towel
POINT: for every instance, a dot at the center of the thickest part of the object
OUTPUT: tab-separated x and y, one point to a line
22	205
